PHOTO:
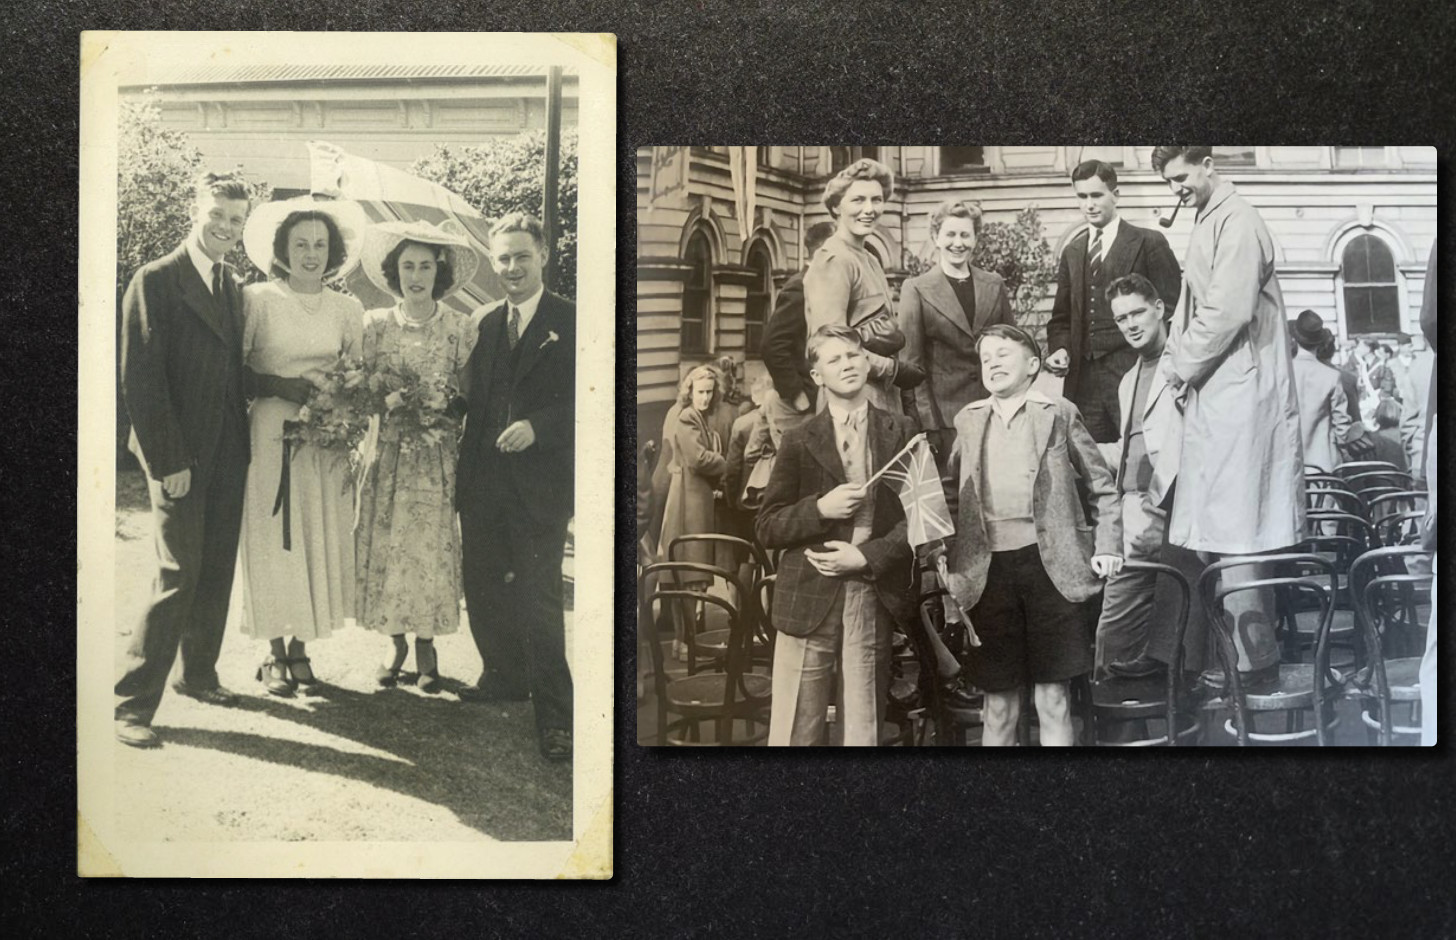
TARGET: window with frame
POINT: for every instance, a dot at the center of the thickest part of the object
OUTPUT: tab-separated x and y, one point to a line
1355	158
1112	156
963	160
841	157
1372	294
759	302
764	157
1233	156
697	296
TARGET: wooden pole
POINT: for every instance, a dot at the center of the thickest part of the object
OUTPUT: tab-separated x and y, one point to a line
549	220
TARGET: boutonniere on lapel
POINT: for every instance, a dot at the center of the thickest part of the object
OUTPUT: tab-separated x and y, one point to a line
551	337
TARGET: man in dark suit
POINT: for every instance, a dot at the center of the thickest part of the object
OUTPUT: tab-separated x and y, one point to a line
515	486
845	575
1084	342
182	384
783	345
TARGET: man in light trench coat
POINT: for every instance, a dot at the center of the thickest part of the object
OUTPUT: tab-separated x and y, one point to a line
1240	483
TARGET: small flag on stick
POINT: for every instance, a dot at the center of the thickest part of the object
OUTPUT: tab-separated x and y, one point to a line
927	517
917	481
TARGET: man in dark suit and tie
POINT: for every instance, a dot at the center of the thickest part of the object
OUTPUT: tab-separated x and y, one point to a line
182	385
515	486
1084	341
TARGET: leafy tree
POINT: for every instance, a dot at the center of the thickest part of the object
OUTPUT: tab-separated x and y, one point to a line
508	175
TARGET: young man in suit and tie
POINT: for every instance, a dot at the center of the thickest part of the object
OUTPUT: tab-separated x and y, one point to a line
1082	339
845	575
182	385
515	486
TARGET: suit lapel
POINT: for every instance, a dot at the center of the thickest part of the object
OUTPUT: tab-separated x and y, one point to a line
1077	266
492	326
1042	419
942	297
819	439
985	299
537	336
1122	252
975	434
198	297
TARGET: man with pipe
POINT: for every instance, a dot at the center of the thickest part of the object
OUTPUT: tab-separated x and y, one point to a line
1240	483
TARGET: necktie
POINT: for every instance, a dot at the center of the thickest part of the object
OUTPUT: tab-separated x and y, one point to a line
513	326
218	284
852	424
1096	254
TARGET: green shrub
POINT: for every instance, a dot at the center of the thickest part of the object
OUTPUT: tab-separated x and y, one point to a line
508	175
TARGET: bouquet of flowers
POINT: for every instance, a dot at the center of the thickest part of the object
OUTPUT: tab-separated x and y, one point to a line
336	416
416	407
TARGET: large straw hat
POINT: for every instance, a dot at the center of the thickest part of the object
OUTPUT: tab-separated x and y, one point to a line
263	224
449	235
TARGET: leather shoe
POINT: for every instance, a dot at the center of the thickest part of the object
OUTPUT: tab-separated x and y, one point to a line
556	744
217	695
136	734
956	693
490	693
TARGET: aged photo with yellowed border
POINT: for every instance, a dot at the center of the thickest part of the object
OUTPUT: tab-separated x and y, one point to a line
344	549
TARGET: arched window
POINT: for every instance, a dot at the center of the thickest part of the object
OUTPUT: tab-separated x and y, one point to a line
1372	294
697	296
760	300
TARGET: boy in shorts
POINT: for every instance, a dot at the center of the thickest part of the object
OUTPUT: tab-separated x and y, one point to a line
1029	480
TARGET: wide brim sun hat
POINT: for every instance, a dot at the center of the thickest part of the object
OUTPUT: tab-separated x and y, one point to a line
383	237
348	217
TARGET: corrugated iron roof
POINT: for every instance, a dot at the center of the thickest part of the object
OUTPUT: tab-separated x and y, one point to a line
219	74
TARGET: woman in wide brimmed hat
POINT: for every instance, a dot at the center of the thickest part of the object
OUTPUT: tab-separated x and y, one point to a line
407	544
295	329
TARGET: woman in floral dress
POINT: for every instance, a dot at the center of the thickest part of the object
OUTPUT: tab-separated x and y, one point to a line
407	543
298	583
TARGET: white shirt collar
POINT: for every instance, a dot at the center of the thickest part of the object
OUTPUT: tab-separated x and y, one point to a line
200	261
838	412
1109	235
527	307
1007	408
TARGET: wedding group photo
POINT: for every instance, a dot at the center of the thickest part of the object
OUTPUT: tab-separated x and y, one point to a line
1019	445
345	558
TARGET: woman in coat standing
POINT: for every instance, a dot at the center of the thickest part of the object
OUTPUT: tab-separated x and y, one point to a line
941	312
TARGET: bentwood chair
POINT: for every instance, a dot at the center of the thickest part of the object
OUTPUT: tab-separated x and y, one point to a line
1131	704
940	721
1400	528
722	700
1388	504
707	641
1389	597
1295	688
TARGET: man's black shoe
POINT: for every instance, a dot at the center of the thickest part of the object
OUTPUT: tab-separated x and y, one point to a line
217	695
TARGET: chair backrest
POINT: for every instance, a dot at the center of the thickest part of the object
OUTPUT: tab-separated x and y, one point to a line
682	601
1375	482
741	551
1342	535
1378	580
1212	593
763	592
1386	504
1400	528
1352	467
1333	499
1324	481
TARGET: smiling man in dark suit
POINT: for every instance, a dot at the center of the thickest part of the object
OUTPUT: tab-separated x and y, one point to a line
515	486
182	384
1083	340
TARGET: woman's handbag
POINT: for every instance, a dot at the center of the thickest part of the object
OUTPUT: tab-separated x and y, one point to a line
880	332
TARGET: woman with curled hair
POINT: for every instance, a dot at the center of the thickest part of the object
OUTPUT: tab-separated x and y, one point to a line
696	478
845	284
941	313
407	544
298	586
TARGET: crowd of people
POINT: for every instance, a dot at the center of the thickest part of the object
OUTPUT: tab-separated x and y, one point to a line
1192	407
213	375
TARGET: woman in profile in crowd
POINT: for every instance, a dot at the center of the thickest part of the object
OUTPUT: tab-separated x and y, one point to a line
407	542
698	464
298	583
846	283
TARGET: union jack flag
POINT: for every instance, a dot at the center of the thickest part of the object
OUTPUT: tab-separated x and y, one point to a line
917	482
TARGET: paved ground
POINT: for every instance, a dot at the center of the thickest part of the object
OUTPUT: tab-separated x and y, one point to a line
354	763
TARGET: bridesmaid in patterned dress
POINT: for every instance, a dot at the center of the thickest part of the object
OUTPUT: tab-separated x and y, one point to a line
295	329
407	543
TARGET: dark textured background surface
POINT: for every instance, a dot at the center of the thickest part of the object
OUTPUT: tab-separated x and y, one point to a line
775	844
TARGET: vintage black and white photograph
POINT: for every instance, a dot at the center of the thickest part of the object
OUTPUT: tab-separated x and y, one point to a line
352	289
1020	445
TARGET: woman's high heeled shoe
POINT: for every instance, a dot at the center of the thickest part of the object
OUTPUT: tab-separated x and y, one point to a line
300	672
429	667
274	676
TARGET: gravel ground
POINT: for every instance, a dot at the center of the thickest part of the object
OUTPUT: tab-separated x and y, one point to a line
352	763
